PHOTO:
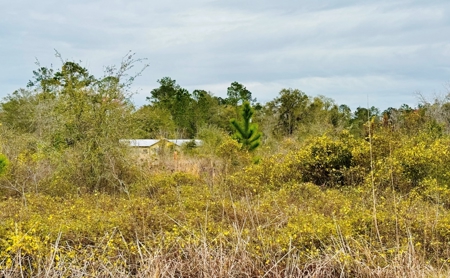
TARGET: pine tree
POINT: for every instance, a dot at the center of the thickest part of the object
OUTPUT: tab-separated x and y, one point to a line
246	132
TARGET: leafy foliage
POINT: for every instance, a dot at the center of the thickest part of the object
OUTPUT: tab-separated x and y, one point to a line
64	114
153	122
4	162
238	94
76	202
326	162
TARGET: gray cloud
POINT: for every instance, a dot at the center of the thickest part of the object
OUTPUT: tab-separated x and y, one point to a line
345	50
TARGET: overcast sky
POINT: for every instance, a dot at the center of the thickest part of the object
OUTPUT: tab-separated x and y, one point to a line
350	51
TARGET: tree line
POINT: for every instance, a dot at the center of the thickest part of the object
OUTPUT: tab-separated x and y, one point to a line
75	120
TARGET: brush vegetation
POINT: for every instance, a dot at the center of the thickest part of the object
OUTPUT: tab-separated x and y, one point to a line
296	187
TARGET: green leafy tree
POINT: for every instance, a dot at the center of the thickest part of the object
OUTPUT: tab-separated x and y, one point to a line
289	109
414	120
153	122
79	120
246	132
212	111
360	119
179	102
207	109
17	111
237	94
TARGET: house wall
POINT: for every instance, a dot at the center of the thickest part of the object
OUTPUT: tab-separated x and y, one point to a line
155	153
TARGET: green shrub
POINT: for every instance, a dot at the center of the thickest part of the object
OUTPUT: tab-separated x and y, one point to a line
325	161
4	162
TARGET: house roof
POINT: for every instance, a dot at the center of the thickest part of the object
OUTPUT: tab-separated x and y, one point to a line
139	142
151	142
180	142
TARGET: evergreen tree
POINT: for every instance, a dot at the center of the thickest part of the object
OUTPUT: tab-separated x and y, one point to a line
247	133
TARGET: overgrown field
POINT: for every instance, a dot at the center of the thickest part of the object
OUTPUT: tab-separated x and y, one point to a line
314	190
313	211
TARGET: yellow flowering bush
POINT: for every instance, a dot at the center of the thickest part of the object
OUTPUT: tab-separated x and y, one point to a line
313	202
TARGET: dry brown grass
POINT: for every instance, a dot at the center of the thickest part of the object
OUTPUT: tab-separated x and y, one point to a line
341	259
